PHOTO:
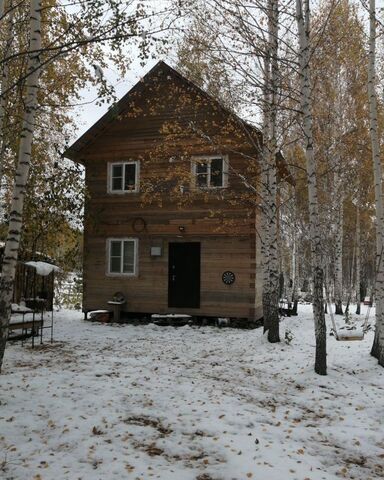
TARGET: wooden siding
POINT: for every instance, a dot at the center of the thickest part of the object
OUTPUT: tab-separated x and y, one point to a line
148	291
162	128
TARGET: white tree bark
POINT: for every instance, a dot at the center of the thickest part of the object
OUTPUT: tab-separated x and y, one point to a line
358	260
265	192
290	268
378	343
265	199
265	242
2	22
295	262
21	178
6	26
273	332
294	272
303	23
339	259
270	237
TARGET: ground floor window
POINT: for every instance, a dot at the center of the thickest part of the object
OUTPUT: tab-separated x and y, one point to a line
122	256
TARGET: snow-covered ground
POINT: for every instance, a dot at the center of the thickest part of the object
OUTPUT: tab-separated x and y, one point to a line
143	402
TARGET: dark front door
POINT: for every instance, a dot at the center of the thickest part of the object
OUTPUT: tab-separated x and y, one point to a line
184	275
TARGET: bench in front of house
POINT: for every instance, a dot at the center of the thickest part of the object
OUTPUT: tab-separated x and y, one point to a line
28	327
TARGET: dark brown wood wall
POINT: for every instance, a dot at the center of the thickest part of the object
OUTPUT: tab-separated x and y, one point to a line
170	121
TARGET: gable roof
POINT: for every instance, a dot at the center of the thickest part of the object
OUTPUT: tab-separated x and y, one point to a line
95	130
74	151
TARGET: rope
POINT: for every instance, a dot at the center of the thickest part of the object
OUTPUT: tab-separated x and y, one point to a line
332	319
331	313
365	324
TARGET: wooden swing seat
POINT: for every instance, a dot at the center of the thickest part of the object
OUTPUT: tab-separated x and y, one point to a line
349	336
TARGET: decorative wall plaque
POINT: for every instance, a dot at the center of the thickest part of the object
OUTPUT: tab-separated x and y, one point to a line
138	224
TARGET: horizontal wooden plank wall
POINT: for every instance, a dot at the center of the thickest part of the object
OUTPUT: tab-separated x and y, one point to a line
157	130
148	292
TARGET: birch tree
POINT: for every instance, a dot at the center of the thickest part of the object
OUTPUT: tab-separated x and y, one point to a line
54	193
270	151
358	259
250	42
378	343
339	224
21	178
341	134
303	24
6	21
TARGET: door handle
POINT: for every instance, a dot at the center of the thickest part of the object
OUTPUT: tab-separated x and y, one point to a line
173	278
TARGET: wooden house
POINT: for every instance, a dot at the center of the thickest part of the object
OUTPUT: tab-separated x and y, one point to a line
171	210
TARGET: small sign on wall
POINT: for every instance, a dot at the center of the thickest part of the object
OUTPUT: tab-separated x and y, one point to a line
156	251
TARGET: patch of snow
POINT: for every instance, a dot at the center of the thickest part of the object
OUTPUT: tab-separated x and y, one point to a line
16	308
43	268
109	401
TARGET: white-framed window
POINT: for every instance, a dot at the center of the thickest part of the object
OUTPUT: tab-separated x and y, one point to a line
123	177
210	171
122	256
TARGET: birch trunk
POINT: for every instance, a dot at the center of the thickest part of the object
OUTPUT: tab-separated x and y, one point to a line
2	85
295	276
265	238
351	282
290	276
378	343
273	332
303	23
293	268
21	178
266	193
295	263
339	260
325	280
358	260
6	25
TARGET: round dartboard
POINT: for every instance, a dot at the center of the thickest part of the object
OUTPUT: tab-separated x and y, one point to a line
228	278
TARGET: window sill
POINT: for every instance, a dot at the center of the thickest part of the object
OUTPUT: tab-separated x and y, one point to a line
122	192
125	275
207	189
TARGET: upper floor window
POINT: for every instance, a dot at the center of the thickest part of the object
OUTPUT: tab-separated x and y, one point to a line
122	256
123	177
210	171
